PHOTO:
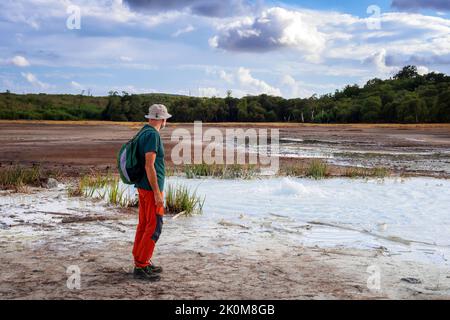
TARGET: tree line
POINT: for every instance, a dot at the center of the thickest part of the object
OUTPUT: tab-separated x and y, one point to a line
407	97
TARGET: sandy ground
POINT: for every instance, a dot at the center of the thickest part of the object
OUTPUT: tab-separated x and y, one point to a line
300	273
74	147
37	248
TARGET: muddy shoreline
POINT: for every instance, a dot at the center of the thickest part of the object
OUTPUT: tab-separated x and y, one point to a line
71	148
38	246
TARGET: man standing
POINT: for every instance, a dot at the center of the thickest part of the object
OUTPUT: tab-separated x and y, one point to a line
150	188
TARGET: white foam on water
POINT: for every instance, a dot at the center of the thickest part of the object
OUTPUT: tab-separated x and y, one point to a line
409	215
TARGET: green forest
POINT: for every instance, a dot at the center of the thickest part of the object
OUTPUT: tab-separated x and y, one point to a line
407	97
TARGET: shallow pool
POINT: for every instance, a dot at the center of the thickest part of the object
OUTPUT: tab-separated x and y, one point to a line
408	217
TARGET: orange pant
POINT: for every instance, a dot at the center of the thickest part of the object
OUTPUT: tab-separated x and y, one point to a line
148	229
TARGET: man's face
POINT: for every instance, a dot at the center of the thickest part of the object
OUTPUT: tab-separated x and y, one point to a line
163	124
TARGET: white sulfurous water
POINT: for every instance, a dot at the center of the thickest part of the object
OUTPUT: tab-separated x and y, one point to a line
407	217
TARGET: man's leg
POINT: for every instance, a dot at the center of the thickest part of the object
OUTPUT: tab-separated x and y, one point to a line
142	244
151	231
141	224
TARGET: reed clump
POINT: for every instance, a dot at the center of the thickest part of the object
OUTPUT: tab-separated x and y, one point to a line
19	177
233	171
181	199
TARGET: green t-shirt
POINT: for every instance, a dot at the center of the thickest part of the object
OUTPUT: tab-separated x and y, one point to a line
150	141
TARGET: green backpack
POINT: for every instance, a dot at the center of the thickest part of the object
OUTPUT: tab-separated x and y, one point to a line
130	169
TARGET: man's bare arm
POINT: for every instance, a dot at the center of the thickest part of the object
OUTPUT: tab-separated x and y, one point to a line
150	158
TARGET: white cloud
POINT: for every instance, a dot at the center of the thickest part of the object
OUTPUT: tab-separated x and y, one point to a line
31	78
75	85
20	61
320	36
242	83
213	42
275	28
181	31
296	89
422	70
208	92
378	60
253	85
292	50
110	52
125	59
38	13
133	89
227	77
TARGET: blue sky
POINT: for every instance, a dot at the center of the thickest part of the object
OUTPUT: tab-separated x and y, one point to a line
206	47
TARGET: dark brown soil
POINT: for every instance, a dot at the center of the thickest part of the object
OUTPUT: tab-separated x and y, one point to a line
75	147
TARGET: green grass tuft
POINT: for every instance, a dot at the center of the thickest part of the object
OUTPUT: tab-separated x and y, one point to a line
181	199
233	171
377	172
102	187
17	177
317	170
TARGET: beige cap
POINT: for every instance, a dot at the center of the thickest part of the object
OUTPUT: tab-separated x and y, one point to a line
158	112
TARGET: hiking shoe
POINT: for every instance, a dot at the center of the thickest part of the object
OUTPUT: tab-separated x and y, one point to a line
142	274
153	269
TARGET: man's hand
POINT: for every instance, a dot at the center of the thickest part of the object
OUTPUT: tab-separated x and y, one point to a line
159	201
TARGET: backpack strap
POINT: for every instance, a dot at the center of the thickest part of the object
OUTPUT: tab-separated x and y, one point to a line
142	131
